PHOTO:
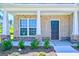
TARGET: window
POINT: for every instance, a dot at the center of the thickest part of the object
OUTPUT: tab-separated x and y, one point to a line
27	27
23	27
32	23
32	27
23	31
32	31
23	23
10	19
1	17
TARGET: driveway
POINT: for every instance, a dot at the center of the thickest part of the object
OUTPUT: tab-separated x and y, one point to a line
64	48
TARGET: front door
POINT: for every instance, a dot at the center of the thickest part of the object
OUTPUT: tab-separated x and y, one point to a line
55	30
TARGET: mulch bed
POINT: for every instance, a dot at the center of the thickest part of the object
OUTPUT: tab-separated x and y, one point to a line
28	51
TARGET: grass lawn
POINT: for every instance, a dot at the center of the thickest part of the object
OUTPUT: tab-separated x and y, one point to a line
28	51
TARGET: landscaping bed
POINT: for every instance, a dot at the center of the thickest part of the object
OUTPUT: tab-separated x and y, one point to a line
28	51
76	48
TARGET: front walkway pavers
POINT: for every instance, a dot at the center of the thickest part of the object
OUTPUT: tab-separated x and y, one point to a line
61	43
63	48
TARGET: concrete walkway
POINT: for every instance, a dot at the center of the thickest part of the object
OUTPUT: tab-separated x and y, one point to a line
63	48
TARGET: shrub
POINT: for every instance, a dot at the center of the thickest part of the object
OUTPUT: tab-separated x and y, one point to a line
42	54
77	45
34	43
21	45
46	43
6	45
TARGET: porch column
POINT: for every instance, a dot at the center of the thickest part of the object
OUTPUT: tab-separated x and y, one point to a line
38	23
38	26
5	23
75	32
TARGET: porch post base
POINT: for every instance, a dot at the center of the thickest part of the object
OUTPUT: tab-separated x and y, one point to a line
75	38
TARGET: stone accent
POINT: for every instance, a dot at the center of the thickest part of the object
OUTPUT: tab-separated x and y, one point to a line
75	38
66	38
5	37
24	38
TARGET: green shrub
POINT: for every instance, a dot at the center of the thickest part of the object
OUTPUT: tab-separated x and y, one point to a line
6	45
42	54
46	43
77	45
21	45
35	43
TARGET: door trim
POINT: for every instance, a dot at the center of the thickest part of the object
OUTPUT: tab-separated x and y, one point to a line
59	25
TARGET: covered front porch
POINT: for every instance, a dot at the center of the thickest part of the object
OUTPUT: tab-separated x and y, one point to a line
12	15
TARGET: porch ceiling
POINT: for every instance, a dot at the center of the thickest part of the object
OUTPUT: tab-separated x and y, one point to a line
39	5
42	7
42	12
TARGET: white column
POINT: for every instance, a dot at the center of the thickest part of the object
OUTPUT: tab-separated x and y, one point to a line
4	23
38	23
75	23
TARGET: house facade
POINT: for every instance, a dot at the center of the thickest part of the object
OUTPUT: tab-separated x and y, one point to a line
54	21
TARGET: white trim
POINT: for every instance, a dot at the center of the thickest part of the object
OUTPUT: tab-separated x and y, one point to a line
59	26
43	13
38	23
5	23
75	23
41	9
27	27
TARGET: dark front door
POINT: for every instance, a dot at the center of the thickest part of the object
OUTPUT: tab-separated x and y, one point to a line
54	30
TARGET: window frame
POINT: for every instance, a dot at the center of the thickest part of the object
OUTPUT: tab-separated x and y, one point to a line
27	27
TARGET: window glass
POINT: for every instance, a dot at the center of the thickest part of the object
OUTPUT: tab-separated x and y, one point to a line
32	31
1	15
23	23
32	22
23	31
